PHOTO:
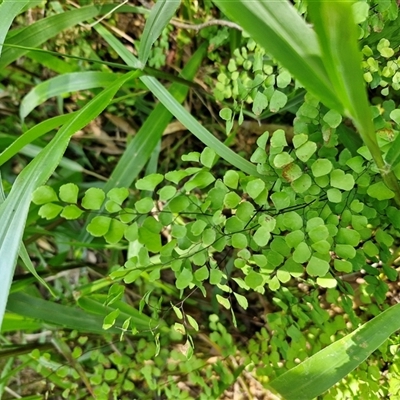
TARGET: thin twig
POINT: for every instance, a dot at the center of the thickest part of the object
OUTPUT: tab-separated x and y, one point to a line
211	22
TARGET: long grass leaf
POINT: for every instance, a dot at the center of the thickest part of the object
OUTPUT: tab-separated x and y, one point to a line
44	29
15	322
317	374
30	135
140	148
55	314
173	106
61	84
23	252
160	15
9	9
14	210
337	34
278	27
197	129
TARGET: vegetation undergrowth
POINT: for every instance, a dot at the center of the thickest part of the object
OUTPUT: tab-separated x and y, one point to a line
199	201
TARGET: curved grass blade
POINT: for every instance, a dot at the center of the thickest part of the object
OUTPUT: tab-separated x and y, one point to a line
13	211
55	314
24	254
160	15
44	29
61	84
197	129
173	106
278	27
141	147
338	34
9	9
32	134
314	376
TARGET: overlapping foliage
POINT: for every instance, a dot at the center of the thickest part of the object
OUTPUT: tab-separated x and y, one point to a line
307	227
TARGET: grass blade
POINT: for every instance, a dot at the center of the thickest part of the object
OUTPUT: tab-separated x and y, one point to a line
32	134
278	27
160	15
173	106
55	314
140	148
14	210
9	9
43	30
61	84
197	129
314	376
337	34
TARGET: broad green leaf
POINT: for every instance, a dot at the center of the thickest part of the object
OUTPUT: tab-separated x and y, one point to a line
262	236
278	101
93	199
69	193
380	191
317	267
50	210
260	103
321	167
99	225
62	84
305	151
71	212
239	241
144	205
159	17
333	118
184	279
281	200
223	301
242	300
115	232
149	182
208	157
109	320
192	322
44	194
226	114
395	116
342	181
200	181
302	253
334	195
231	179
317	374
118	195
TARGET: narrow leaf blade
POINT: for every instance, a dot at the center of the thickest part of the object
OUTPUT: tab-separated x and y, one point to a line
158	19
314	376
